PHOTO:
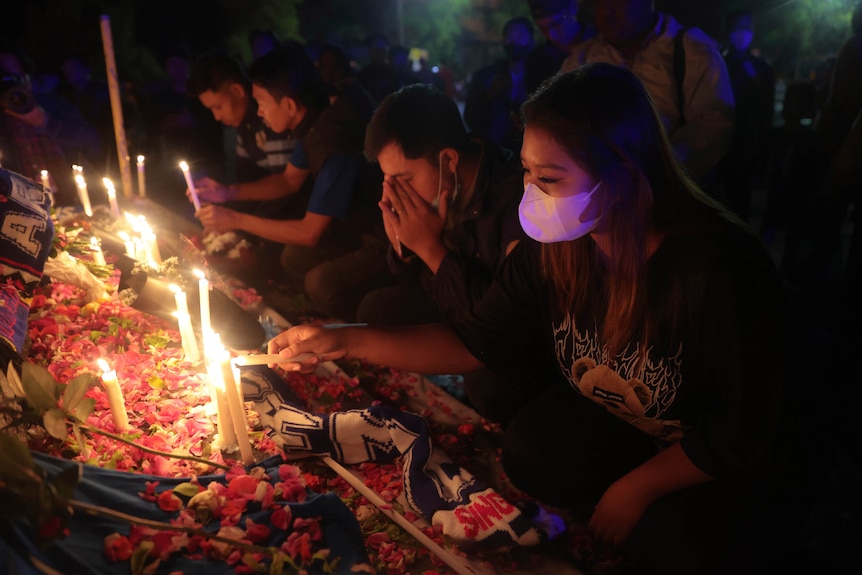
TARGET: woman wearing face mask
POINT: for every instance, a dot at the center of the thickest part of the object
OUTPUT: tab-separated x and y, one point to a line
664	314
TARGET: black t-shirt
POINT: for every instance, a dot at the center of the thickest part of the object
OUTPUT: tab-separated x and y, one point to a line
713	379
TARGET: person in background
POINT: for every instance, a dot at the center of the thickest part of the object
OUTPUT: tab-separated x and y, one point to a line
338	74
320	249
261	42
795	164
497	91
92	99
378	76
668	419
180	128
698	112
222	86
754	93
41	131
558	22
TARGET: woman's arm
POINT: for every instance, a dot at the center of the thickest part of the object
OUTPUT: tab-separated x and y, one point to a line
432	348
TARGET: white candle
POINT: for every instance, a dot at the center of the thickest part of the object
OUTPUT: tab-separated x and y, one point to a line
237	408
204	296
180	298
187	337
138	249
83	194
226	433
151	245
191	185
112	197
115	396
127	241
46	180
98	256
142	184
266	359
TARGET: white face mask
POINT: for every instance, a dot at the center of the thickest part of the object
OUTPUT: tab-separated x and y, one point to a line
550	219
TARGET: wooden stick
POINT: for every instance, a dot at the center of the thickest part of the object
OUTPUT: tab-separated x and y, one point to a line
458	564
116	105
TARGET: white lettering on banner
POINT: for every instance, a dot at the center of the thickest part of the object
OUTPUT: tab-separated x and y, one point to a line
20	229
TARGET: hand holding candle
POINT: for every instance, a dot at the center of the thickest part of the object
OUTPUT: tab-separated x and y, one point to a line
191	185
115	396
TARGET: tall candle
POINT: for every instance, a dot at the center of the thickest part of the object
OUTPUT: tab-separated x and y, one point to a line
187	337
204	296
227	435
98	256
115	396
142	184
83	194
151	245
46	180
237	408
112	197
195	200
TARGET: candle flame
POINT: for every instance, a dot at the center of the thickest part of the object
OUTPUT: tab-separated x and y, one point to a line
124	236
199	274
108	183
175	288
184	166
103	365
44	173
79	179
94	242
140	159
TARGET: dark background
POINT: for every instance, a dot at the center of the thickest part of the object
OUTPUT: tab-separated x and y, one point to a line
795	35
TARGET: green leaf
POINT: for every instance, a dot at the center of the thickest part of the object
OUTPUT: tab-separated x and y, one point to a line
85	408
41	388
55	423
75	390
15	459
66	481
187	489
96	335
139	556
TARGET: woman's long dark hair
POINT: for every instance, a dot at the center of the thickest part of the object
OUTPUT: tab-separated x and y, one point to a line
603	117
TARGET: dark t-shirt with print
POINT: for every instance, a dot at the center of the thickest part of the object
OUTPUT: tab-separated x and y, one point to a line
712	379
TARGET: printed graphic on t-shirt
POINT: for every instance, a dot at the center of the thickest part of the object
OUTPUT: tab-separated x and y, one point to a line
637	390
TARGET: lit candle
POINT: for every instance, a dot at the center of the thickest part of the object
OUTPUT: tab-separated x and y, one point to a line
151	244
83	194
226	433
46	180
187	337
112	197
195	200
115	396
98	256
204	296
138	250
127	241
266	359
236	407
187	332
142	185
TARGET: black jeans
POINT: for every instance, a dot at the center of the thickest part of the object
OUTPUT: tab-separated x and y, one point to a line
565	450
